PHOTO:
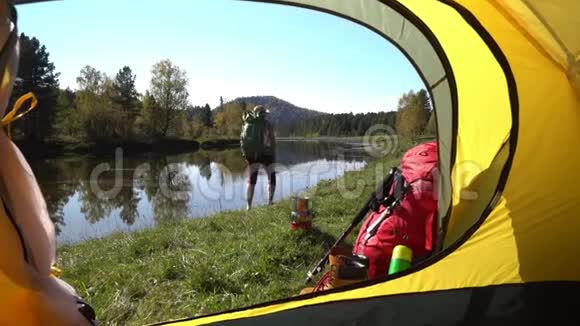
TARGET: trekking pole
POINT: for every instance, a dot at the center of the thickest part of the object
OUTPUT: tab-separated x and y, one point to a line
372	230
377	195
391	203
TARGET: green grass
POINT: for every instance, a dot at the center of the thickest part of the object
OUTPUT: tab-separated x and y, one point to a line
222	262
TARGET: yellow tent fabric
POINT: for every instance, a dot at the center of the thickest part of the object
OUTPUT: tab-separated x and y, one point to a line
504	79
550	27
22	302
509	252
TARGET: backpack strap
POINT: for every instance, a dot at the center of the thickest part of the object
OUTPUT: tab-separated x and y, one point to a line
392	201
399	185
382	193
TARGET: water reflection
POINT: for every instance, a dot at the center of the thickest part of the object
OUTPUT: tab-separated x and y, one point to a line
144	190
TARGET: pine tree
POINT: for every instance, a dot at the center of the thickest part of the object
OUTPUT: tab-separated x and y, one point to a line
205	116
126	94
36	73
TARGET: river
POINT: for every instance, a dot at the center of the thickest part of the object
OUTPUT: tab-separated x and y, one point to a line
91	197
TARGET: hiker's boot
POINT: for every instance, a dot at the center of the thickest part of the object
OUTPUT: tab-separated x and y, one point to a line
347	270
344	270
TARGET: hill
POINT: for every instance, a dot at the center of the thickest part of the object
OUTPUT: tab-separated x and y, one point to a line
281	112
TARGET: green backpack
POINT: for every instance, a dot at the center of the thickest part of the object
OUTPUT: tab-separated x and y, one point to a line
252	136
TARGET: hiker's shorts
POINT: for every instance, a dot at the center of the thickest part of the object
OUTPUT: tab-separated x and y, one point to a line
254	167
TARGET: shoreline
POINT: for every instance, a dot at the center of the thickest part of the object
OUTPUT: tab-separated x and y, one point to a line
54	149
224	261
40	150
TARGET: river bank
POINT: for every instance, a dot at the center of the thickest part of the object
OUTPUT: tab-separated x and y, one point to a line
163	146
52	149
143	190
229	260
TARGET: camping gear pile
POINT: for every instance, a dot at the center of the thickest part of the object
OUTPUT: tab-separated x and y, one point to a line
409	218
401	212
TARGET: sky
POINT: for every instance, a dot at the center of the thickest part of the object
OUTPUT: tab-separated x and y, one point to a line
227	48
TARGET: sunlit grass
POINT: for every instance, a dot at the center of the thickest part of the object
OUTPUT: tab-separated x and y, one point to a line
226	261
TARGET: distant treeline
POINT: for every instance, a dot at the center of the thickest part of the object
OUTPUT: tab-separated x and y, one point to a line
345	124
411	119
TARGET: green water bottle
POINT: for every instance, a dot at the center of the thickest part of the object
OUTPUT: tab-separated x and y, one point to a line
401	259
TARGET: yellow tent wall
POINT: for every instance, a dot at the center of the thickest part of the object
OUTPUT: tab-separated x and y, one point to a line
540	202
510	251
504	78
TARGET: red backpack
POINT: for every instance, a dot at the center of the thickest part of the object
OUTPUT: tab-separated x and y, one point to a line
412	222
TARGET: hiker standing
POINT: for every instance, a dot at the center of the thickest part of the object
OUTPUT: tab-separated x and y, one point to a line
258	144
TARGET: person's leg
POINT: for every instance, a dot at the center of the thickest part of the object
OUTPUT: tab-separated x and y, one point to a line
251	186
271	189
249	195
271	171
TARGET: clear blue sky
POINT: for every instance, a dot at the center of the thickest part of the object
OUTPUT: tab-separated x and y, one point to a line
228	48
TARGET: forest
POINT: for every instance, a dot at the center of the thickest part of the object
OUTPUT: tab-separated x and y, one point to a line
105	108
